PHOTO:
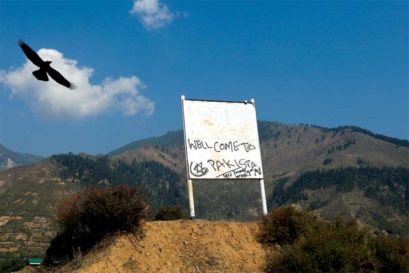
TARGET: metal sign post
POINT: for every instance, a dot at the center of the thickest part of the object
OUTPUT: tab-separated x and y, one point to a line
191	199
263	197
221	142
189	181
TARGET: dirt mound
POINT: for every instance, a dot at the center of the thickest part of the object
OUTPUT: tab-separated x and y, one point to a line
179	246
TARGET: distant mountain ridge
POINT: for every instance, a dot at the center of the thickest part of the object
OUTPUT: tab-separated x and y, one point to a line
172	138
168	139
394	140
287	149
9	159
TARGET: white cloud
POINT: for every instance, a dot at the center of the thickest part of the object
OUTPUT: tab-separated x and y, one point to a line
53	100
152	13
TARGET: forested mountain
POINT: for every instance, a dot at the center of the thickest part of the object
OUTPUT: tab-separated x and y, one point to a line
289	152
160	183
342	171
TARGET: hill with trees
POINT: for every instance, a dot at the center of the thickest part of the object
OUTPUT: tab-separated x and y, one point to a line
342	171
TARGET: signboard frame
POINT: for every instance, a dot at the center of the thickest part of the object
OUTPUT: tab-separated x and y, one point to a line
249	167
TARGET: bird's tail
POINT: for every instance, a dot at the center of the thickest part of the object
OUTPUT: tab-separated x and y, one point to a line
40	75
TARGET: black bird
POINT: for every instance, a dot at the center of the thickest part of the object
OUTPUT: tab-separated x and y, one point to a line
45	67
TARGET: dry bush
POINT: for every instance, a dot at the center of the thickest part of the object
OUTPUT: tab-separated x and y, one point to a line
89	216
312	245
284	225
392	254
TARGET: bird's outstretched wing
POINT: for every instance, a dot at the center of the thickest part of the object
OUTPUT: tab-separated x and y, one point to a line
31	54
60	79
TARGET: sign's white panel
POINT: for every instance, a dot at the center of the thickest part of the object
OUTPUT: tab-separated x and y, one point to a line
221	140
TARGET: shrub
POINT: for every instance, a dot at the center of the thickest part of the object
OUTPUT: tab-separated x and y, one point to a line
284	226
338	246
335	247
168	213
392	254
87	217
11	263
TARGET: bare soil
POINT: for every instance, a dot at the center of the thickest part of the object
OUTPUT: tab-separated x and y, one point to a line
179	246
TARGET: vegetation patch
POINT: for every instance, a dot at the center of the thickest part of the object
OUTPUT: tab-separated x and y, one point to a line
336	246
284	226
387	188
87	217
11	262
370	179
169	213
159	182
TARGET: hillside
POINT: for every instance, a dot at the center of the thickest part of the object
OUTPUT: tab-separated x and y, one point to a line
29	194
27	197
287	240
378	197
290	153
9	159
179	246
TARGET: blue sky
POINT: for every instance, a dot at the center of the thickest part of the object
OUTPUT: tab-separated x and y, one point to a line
324	63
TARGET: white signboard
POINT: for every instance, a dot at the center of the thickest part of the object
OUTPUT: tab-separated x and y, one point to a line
221	140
